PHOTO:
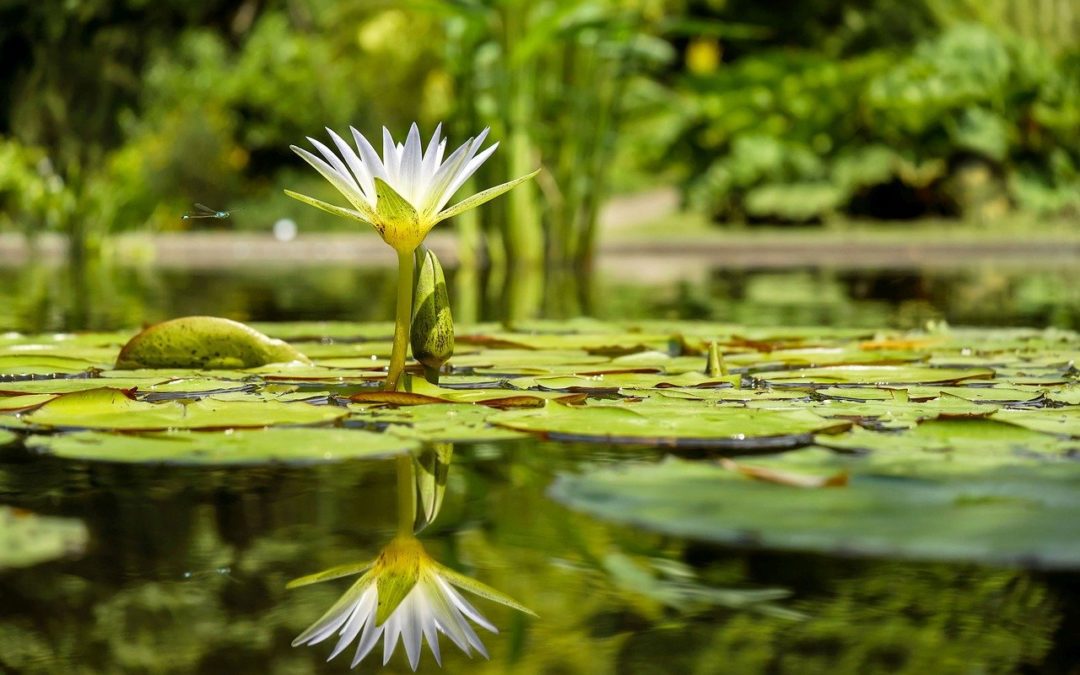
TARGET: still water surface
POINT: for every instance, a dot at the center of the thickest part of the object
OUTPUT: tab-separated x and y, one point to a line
187	568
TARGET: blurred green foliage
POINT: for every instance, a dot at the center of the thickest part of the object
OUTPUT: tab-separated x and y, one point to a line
119	115
939	115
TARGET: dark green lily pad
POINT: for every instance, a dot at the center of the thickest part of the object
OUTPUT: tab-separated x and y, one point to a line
256	446
116	409
28	539
671	425
1002	516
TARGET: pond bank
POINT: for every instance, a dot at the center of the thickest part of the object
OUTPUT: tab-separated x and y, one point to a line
742	249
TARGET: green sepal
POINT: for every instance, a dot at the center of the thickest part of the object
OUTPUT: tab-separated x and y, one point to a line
483	590
393	587
329	208
391	206
482	197
333	573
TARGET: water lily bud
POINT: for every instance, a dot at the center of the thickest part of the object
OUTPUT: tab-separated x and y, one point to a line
432	334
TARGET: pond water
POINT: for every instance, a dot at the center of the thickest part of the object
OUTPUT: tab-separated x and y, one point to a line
184	567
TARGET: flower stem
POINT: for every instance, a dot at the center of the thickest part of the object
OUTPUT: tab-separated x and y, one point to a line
406	495
402	321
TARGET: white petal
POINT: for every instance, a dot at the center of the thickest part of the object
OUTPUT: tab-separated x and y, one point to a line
370	157
368	639
466	608
333	160
410	627
363	613
439	155
391	631
431	155
430	628
346	186
391	158
442	178
464	175
449	621
363	176
411	162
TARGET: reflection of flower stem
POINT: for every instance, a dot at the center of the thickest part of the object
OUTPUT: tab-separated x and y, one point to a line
406	494
402	320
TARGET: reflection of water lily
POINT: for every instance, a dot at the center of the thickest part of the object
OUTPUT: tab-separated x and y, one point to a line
403	594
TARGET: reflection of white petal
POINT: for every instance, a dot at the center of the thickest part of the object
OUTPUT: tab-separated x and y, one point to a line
433	606
463	604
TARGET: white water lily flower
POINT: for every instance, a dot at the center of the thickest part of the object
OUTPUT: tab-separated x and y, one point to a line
403	193
403	594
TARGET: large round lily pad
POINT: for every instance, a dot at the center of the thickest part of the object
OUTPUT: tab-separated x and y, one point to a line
1003	516
115	409
27	538
692	425
253	446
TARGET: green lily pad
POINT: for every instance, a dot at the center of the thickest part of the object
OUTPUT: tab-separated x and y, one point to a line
437	423
873	375
952	445
44	364
114	409
692	425
7	437
613	382
26	402
1000	517
158	384
256	446
28	539
203	342
1061	421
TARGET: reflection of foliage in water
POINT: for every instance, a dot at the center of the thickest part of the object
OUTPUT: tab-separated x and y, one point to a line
128	606
887	618
41	298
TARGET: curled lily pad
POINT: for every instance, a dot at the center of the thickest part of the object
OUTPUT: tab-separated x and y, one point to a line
115	409
27	538
254	446
691	425
203	342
